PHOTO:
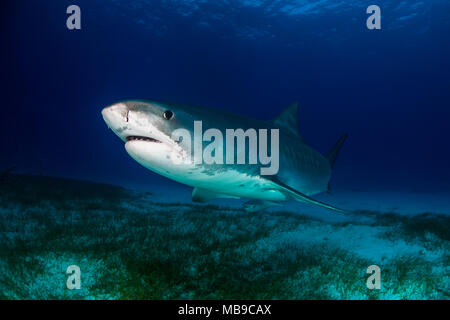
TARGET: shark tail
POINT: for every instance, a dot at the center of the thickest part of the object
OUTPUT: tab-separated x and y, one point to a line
334	152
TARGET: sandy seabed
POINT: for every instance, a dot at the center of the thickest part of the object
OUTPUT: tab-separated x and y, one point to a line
137	245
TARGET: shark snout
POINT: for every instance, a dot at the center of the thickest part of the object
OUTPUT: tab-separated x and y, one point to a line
116	118
115	115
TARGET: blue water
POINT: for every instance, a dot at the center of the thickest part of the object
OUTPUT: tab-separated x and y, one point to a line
389	88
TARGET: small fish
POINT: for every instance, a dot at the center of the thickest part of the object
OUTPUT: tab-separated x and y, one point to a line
258	205
5	174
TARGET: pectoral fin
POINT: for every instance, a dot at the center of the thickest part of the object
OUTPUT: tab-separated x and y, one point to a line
297	195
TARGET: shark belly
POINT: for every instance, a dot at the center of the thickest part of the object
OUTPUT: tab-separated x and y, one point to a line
235	183
227	180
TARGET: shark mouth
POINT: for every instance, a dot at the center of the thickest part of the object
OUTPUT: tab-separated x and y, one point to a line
140	138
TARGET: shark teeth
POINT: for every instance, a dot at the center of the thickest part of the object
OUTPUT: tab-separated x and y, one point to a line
139	138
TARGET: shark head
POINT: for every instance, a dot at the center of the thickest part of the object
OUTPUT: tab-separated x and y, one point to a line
148	128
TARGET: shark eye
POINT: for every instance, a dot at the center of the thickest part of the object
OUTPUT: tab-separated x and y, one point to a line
168	114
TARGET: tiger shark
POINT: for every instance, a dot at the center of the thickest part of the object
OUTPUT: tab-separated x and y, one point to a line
147	129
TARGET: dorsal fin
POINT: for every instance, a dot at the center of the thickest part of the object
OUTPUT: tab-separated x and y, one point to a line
287	120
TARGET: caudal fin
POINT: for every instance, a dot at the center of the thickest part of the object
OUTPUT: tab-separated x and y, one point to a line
334	152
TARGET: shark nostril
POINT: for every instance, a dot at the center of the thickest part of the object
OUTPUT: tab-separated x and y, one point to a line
126	115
